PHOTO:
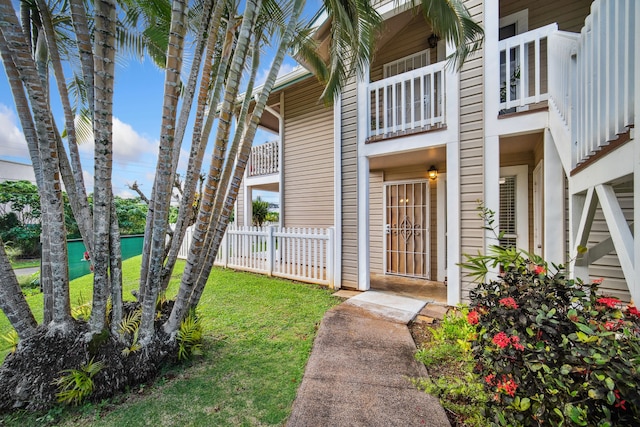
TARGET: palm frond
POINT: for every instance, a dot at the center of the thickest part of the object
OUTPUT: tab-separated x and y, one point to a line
451	20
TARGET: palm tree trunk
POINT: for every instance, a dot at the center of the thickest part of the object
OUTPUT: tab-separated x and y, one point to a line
83	40
73	180
115	268
104	55
233	151
224	122
12	300
245	151
28	128
50	193
163	185
198	146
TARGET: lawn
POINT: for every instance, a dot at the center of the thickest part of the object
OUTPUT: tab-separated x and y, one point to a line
25	263
258	336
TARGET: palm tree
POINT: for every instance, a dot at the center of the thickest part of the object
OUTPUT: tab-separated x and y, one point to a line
227	53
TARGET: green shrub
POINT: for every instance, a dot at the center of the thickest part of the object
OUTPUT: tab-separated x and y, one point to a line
189	337
77	384
552	350
450	364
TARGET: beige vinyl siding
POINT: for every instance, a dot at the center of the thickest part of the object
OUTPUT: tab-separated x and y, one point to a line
471	152
349	139
608	267
569	14
307	157
411	39
239	209
376	221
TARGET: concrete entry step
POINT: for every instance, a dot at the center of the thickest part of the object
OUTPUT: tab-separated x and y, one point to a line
391	307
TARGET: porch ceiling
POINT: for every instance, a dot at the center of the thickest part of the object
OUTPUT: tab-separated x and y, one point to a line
425	157
397	23
520	143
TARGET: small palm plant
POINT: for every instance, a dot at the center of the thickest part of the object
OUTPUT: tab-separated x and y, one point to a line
190	337
77	384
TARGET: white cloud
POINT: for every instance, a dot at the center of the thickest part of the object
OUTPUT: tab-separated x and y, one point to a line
88	180
129	147
284	69
12	141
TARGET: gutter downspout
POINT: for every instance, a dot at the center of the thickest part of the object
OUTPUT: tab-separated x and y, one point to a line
337	191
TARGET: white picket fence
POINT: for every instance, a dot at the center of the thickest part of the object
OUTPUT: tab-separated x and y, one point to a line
304	254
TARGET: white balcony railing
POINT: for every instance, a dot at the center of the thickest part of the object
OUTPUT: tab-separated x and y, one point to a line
407	102
605	78
524	59
264	159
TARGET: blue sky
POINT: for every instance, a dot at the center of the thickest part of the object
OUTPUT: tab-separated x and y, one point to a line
136	124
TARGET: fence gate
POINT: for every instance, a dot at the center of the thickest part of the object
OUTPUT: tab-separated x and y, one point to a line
407	229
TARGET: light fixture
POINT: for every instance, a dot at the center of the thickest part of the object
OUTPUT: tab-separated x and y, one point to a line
433	172
433	40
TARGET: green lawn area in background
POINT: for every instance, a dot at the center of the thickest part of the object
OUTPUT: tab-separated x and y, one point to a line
258	336
25	263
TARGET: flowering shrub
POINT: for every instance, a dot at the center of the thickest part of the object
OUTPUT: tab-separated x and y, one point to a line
553	351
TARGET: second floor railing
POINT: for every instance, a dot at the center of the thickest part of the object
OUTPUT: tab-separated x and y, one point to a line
523	68
264	159
407	102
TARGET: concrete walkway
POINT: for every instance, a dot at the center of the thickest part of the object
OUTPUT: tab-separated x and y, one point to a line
359	369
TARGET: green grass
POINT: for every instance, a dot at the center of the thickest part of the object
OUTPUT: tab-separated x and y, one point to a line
25	263
258	333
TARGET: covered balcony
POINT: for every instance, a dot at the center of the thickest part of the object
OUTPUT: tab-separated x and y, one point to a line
408	102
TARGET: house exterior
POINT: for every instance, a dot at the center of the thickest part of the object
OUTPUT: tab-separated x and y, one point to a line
538	126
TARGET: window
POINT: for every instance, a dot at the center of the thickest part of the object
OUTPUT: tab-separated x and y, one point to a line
408	63
508	219
513	214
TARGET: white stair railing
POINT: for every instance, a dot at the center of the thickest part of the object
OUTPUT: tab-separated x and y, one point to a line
605	76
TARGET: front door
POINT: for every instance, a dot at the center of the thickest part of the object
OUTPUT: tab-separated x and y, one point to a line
407	229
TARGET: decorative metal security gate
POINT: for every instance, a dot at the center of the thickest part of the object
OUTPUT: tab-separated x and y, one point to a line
407	229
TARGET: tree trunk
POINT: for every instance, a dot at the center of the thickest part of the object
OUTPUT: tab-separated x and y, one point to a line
163	185
224	122
75	189
198	146
104	55
12	301
50	193
115	267
83	40
221	194
245	151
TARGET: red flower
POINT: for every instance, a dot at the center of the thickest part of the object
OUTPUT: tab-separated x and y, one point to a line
508	302
515	342
507	385
609	302
539	269
501	340
598	281
489	379
633	311
611	326
473	318
621	402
